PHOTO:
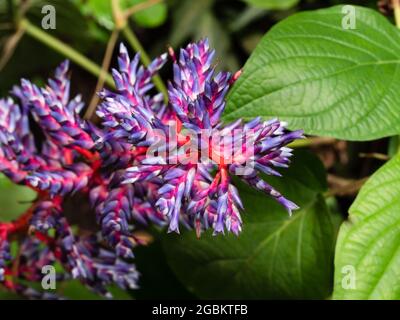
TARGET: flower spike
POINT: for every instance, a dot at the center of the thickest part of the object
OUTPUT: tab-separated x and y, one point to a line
148	161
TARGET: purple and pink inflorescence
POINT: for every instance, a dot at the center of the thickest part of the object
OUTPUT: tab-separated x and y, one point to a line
110	165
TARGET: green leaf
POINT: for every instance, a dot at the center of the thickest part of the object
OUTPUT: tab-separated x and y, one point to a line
324	79
276	256
273	4
14	199
101	10
368	246
151	17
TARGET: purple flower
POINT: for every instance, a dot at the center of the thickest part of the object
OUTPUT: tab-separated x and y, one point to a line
198	194
149	162
5	257
68	161
55	113
93	265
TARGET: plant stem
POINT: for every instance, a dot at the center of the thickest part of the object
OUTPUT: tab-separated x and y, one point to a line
65	50
375	155
137	46
10	46
396	8
118	15
104	67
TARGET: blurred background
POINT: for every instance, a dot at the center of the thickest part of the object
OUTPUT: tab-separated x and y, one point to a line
234	28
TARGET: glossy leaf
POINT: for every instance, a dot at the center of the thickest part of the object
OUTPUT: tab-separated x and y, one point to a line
323	78
368	249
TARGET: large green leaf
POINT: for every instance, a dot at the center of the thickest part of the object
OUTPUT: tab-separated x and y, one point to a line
276	256
368	247
323	78
272	4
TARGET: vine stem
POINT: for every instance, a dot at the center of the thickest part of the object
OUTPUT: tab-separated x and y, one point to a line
375	155
137	46
10	46
104	67
396	8
12	42
65	50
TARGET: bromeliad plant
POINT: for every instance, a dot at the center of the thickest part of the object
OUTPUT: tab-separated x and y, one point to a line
332	72
46	145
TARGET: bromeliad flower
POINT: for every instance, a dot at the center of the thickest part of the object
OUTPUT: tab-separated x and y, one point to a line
65	163
149	162
199	193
